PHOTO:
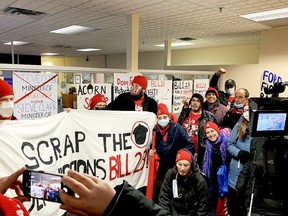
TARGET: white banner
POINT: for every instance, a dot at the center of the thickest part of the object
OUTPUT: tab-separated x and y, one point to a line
111	145
35	95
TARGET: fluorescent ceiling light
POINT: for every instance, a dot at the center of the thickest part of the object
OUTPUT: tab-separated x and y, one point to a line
49	54
267	15
88	50
176	44
74	29
16	43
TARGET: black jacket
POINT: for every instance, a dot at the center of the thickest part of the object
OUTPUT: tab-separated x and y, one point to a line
129	201
193	194
124	102
205	117
223	96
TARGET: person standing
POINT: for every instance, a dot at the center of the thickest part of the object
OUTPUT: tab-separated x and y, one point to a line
193	119
233	115
226	98
6	101
184	190
170	137
239	148
98	102
136	99
213	105
215	156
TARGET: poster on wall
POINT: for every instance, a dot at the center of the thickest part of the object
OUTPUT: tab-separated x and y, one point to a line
86	91
35	95
181	89
122	83
201	86
161	91
268	79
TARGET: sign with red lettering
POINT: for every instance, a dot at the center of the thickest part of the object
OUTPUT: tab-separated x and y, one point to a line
35	95
122	83
161	91
86	91
201	86
112	145
181	89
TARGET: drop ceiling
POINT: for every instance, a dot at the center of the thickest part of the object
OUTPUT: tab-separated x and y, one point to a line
213	23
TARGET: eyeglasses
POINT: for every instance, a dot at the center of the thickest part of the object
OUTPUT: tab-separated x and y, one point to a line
101	106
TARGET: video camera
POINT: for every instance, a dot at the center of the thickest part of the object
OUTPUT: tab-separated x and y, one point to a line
268	116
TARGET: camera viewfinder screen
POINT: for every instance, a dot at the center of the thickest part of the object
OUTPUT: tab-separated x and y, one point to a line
45	186
271	121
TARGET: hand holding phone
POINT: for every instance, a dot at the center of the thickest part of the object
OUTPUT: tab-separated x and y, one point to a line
45	186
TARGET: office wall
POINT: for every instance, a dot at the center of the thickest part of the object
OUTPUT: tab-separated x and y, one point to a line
246	63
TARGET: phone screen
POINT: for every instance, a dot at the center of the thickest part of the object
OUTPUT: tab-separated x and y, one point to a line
42	185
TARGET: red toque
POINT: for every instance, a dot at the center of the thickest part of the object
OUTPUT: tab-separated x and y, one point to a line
141	80
12	207
184	154
162	110
96	99
213	126
5	89
213	90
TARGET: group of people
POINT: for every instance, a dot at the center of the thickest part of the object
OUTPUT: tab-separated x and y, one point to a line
208	135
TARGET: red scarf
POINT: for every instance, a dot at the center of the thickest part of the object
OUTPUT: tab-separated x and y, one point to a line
163	131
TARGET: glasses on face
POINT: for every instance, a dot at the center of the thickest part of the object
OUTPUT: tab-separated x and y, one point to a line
100	106
164	117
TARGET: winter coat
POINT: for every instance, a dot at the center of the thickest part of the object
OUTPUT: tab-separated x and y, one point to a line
205	117
221	111
193	195
223	96
124	102
234	145
129	201
177	138
231	118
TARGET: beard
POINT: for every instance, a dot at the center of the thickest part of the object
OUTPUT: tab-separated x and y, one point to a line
138	96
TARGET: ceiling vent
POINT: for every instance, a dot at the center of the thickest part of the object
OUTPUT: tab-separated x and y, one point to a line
187	39
22	11
61	46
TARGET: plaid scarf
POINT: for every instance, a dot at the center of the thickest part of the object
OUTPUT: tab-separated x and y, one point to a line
222	141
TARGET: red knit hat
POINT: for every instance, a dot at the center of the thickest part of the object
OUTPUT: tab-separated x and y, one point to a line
141	80
162	110
5	89
184	154
96	99
213	126
12	207
213	90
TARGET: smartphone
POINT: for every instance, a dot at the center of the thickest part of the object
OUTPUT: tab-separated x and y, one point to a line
42	185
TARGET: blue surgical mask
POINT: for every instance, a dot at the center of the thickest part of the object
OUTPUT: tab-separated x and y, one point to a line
238	106
163	122
230	91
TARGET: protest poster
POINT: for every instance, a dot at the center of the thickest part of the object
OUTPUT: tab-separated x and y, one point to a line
160	91
268	79
35	95
122	83
111	145
201	86
181	89
86	91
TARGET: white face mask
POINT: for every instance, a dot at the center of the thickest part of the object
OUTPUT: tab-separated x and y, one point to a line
246	115
230	91
6	109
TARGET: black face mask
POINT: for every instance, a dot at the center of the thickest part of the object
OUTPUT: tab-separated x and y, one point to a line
103	108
